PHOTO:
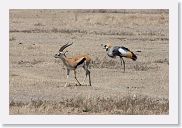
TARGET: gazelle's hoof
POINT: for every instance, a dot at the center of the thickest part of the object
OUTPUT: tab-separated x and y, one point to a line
66	85
78	84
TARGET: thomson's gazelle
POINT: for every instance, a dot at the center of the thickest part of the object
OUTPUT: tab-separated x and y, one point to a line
74	62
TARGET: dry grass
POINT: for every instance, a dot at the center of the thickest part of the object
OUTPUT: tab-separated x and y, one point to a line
104	63
12	38
129	105
68	31
38	24
162	61
142	11
141	67
29	63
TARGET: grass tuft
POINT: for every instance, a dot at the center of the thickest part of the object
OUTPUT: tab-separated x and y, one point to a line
129	105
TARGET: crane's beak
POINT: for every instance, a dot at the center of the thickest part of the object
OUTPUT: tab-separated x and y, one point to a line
104	46
56	56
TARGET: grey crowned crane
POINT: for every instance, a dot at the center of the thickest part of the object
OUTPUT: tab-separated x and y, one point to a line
114	51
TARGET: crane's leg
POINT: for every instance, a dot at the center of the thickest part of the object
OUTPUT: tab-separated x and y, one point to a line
76	78
123	63
122	60
88	72
68	72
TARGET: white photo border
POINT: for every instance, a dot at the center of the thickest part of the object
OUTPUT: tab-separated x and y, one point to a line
172	118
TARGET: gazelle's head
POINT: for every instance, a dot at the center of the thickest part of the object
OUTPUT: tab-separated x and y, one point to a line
106	46
61	53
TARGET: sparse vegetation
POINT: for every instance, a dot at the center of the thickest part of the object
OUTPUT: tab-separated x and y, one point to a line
162	61
56	30
141	67
38	24
106	63
12	39
128	105
29	63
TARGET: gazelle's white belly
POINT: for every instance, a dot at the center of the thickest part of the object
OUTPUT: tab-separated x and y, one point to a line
81	65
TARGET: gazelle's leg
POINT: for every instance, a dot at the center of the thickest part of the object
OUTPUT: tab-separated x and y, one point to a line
85	75
76	78
68	72
88	72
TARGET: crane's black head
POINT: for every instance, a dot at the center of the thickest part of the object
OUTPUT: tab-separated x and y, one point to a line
106	46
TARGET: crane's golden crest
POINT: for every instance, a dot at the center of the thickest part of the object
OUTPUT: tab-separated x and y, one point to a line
109	45
120	51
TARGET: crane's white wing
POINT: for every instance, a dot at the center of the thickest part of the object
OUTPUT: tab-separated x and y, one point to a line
122	51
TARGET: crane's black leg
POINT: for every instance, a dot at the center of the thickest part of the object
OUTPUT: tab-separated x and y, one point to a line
123	64
122	60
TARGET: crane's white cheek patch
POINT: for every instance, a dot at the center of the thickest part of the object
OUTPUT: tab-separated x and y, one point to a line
122	51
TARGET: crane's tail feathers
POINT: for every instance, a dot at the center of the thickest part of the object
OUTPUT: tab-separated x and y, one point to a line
133	57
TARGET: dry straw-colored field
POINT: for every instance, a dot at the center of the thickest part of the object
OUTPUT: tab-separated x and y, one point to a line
37	79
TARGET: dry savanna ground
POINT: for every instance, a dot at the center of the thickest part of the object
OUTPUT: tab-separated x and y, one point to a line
37	78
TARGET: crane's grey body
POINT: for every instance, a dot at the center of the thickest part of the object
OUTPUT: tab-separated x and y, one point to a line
114	51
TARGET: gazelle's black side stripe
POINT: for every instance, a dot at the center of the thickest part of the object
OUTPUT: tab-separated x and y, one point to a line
81	62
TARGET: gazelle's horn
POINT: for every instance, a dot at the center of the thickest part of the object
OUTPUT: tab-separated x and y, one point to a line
65	46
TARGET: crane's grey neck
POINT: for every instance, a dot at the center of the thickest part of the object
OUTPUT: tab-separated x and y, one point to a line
107	49
110	52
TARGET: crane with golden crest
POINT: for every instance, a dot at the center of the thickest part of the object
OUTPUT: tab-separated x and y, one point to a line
121	51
